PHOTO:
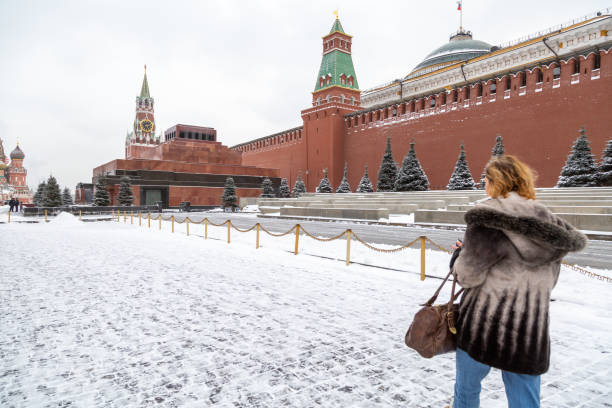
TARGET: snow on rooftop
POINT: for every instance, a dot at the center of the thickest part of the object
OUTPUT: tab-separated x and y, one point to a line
111	314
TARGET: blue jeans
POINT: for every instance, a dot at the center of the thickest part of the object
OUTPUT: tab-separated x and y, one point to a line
522	390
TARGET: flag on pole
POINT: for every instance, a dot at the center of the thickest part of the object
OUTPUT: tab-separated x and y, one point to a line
459	5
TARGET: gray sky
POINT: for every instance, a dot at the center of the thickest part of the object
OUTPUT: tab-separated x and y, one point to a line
70	70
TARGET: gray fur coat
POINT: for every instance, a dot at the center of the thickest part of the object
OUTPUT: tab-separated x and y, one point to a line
509	263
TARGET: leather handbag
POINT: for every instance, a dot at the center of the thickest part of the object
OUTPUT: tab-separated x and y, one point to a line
432	330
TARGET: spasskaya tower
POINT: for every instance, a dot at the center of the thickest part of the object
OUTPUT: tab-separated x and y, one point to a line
143	134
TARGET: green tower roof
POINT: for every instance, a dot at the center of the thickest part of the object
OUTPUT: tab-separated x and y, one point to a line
144	91
337	27
336	63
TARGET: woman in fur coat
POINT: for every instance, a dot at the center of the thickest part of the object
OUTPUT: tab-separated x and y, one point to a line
508	264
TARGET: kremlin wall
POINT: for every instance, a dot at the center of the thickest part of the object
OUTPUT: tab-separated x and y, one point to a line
536	92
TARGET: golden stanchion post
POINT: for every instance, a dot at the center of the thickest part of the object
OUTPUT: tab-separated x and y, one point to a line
160	219
187	222
297	238
132	217
113	212
139	219
80	216
124	216
348	247
149	219
205	228
9	219
257	238
45	215
422	258
229	224
172	216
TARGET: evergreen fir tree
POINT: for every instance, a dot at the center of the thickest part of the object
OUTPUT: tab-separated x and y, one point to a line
580	169
411	176
283	190
365	185
101	196
461	179
126	195
229	198
344	184
66	197
53	197
604	173
387	174
324	185
299	188
267	190
497	151
39	196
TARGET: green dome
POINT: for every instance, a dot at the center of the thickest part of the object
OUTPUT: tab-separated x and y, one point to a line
460	48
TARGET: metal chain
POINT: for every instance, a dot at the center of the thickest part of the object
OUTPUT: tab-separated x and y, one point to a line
384	250
278	235
323	239
588	273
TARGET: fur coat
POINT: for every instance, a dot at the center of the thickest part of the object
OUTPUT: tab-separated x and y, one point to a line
509	263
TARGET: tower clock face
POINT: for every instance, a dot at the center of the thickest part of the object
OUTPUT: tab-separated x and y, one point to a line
146	125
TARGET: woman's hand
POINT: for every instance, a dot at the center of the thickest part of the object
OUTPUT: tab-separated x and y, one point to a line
458	244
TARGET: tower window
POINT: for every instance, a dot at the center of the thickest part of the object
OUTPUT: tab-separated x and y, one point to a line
556	72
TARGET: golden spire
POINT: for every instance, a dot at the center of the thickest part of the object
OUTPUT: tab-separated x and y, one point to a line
336	13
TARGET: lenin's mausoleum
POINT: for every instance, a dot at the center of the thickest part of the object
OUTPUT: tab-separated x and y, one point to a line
536	92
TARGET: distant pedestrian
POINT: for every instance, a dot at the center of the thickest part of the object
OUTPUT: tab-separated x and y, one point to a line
17	204
21	206
11	204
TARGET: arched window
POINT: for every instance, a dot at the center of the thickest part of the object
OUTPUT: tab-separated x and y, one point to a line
352	100
350	81
328	98
341	98
321	82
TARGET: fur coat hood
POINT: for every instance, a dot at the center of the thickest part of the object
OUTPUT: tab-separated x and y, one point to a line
509	263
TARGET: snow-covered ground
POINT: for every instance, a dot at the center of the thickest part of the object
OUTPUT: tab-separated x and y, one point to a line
114	315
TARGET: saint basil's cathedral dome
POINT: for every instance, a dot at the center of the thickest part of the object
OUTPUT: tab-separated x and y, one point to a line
17	153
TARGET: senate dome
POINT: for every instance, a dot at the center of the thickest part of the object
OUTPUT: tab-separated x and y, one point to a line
17	153
461	47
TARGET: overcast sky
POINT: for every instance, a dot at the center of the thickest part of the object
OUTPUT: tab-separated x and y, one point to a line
70	70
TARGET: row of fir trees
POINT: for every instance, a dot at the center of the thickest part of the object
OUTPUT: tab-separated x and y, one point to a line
125	197
48	194
580	170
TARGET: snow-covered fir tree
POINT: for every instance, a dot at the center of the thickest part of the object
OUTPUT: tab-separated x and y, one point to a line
580	169
53	196
229	197
365	185
283	190
604	173
387	174
66	197
461	179
344	184
299	188
126	195
101	196
39	196
324	185
267	190
411	176
497	151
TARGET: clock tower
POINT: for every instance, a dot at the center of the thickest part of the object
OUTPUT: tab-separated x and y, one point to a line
142	136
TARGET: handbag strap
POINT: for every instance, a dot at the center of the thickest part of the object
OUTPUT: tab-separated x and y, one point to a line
453	295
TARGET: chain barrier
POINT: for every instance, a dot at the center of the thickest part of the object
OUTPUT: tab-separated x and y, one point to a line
588	273
324	239
350	234
279	235
388	251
